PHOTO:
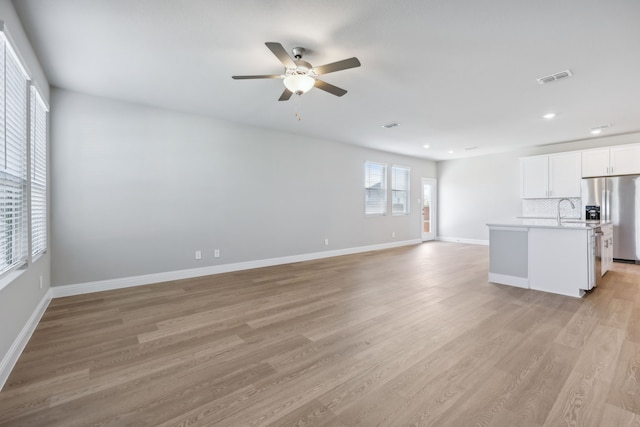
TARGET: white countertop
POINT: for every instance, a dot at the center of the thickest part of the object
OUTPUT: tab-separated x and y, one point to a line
547	223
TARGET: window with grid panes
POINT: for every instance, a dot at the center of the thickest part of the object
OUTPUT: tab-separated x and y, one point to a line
38	136
400	190
13	158
375	188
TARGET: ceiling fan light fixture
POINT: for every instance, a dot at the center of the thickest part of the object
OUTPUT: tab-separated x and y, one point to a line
299	83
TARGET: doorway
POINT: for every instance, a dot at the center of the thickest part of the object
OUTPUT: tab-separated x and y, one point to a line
428	209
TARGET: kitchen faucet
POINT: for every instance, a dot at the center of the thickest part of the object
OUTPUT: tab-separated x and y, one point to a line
558	218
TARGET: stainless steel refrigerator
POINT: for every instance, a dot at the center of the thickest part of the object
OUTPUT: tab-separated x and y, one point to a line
617	199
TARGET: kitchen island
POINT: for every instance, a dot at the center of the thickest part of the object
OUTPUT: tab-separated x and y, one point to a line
545	255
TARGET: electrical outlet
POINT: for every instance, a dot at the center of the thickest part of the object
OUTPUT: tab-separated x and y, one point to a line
326	242
216	253
40	282
393	234
198	254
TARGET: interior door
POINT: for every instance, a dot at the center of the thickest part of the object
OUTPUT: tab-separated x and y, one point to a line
428	209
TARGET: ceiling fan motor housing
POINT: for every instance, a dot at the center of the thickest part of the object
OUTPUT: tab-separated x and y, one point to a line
298	52
303	67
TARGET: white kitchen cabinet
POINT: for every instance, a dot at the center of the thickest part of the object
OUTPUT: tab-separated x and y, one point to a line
564	175
625	160
559	260
552	176
621	160
595	162
606	250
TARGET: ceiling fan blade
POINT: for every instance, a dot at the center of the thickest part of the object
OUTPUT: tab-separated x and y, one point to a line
266	76
281	54
334	90
345	64
285	95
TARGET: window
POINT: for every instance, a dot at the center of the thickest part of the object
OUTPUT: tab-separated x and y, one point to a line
13	158
400	190
38	136
375	188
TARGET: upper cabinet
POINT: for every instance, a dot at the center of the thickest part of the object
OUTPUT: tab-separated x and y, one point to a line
595	162
625	160
552	176
564	175
621	160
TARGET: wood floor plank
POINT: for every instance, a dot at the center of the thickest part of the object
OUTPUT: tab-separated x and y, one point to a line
414	335
581	400
626	394
537	386
614	416
633	325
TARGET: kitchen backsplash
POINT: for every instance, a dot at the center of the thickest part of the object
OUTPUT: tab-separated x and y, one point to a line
548	208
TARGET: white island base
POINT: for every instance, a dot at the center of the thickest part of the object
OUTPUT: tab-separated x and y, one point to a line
545	257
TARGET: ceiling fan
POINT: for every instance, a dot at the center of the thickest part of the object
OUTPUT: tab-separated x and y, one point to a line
299	76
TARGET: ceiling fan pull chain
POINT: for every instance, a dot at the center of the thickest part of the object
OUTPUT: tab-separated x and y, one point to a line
298	104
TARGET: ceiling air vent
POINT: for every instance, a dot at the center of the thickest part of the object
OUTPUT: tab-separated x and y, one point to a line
553	77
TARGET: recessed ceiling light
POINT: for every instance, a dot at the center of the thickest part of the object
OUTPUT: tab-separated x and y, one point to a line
450	151
598	129
426	146
549	116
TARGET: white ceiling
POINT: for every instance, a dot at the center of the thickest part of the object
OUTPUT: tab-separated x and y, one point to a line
454	74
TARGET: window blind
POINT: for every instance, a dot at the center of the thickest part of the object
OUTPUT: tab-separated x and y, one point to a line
400	190
38	136
13	162
375	188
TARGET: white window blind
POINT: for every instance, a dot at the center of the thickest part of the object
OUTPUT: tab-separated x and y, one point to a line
13	159
400	190
38	136
375	188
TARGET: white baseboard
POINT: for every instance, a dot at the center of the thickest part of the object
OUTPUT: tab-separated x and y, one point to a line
520	282
463	240
127	282
11	357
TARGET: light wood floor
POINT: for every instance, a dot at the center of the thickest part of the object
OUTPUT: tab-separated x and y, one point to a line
402	337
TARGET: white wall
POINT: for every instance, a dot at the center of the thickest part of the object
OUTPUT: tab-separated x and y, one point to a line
20	298
474	191
478	190
136	190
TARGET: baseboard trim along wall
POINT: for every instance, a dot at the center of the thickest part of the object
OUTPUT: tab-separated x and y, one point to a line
147	279
461	240
520	282
11	357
